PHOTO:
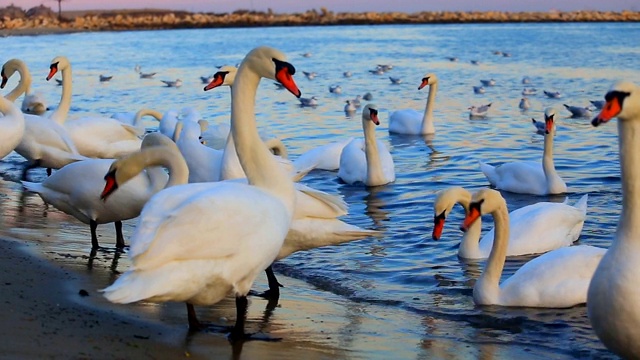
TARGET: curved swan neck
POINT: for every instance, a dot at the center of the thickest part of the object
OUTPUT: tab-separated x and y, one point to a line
629	149
427	119
375	174
23	85
165	157
490	279
259	165
470	244
137	121
61	113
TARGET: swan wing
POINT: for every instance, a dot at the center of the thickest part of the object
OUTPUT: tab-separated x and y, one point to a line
353	162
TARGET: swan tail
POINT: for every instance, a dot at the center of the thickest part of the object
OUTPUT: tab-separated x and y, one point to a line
335	202
32	187
490	172
582	204
134	130
301	173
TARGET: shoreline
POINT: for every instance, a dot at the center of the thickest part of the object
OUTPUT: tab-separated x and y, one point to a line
152	19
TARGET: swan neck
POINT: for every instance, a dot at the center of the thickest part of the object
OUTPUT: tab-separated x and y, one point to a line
374	166
230	167
629	149
490	279
470	244
61	113
23	85
427	119
259	165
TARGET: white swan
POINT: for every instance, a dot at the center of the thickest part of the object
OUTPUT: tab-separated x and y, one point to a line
32	103
204	162
557	279
11	123
175	258
614	295
534	229
43	143
135	119
97	137
367	161
411	122
75	189
324	157
528	177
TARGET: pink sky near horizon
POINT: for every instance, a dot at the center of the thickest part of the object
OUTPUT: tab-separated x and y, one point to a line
290	6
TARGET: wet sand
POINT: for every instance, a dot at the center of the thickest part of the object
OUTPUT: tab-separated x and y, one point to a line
52	308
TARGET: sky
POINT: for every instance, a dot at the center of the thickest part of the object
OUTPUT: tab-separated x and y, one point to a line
291	6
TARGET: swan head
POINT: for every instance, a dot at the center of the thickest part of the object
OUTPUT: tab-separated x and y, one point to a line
191	130
272	64
35	108
370	113
444	202
549	120
620	101
484	201
224	77
428	79
58	63
9	68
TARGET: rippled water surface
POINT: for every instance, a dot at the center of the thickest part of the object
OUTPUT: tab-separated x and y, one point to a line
404	294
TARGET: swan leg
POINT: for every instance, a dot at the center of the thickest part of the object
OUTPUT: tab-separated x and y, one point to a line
48	171
273	293
26	169
194	324
93	225
237	333
119	236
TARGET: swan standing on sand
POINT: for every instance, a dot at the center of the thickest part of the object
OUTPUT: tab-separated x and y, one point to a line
411	122
367	161
535	228
75	190
32	103
557	279
11	124
174	255
44	143
528	177
614	295
96	137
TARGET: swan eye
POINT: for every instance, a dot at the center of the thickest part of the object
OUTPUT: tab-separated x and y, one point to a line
54	66
620	95
284	65
373	112
476	205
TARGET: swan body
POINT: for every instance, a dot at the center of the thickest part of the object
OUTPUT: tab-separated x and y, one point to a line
203	162
324	157
97	137
11	123
557	279
75	190
367	161
534	229
528	177
614	295
411	122
44	142
174	257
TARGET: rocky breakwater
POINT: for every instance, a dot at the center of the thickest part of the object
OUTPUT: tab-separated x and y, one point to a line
14	20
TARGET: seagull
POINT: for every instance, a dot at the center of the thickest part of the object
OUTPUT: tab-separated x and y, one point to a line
356	102
278	86
147	75
506	54
475	62
497	52
479	111
578	112
394	80
553	94
524	104
347	74
541	127
478	90
490	82
137	68
105	78
310	75
452	58
385	67
377	71
312	101
349	108
335	89
177	83
529	91
206	79
59	82
526	80
367	96
599	104
307	54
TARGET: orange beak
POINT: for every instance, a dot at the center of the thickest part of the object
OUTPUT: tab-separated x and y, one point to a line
53	70
284	77
424	83
438	225
472	215
548	124
4	81
110	186
608	112
218	80
374	118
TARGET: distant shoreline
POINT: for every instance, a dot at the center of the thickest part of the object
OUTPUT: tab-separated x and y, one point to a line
153	19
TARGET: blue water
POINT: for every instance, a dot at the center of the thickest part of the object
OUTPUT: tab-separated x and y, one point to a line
405	295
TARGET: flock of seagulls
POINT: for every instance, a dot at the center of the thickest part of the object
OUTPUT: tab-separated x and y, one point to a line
248	195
